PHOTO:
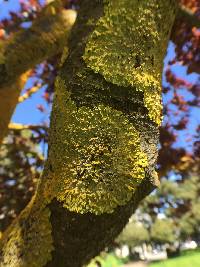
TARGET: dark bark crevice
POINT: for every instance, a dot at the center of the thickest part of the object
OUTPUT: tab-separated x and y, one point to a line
80	237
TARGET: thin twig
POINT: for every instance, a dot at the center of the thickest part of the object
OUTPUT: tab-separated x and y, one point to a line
20	127
29	93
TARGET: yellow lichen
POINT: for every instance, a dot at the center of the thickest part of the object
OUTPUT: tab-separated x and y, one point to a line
28	241
98	160
128	46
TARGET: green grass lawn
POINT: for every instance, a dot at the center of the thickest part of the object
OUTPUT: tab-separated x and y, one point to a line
190	258
108	260
187	259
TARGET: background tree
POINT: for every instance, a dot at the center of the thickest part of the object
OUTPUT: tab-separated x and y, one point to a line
163	232
171	214
134	234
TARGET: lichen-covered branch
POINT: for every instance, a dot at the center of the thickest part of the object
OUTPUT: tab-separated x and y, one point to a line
28	47
103	135
21	127
9	95
23	51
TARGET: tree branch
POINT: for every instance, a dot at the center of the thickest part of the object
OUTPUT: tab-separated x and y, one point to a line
20	127
46	37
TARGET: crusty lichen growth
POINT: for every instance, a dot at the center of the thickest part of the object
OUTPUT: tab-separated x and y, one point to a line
97	157
103	162
28	241
129	44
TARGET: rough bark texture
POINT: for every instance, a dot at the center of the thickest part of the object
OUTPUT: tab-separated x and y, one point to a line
83	236
46	37
103	137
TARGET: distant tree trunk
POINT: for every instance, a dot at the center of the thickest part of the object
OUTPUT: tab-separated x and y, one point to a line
103	136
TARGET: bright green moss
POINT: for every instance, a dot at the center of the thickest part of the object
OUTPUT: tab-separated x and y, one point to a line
28	241
129	44
98	160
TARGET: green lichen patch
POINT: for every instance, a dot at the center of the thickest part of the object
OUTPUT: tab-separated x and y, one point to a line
128	46
28	241
97	156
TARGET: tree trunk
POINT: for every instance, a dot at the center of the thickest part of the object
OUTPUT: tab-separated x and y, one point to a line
103	136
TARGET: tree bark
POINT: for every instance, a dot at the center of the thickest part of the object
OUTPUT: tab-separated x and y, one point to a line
103	135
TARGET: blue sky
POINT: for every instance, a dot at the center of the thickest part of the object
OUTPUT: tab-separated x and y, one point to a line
27	112
6	6
194	112
10	5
